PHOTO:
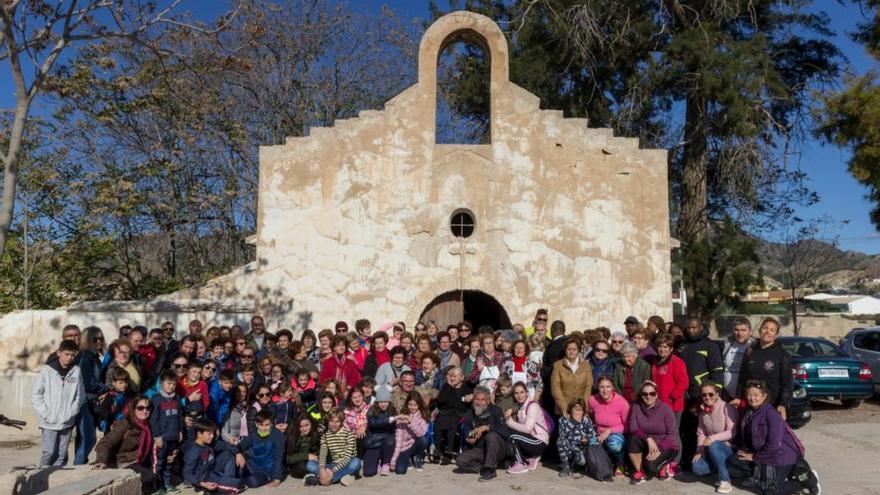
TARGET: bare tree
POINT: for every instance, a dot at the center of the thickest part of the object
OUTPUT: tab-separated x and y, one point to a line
807	251
37	35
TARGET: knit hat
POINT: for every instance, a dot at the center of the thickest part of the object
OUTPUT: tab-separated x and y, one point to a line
383	394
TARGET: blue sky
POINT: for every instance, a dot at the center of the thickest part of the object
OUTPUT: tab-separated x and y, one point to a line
841	196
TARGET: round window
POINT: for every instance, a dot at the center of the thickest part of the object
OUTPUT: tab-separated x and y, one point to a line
462	224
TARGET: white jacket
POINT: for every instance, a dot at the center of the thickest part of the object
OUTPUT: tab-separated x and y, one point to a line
58	401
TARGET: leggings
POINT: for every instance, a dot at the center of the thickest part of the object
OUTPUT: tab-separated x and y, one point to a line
525	447
635	445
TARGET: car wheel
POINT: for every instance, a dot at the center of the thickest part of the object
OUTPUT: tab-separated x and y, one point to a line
851	403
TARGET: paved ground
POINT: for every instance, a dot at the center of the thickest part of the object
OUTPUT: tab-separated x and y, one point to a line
841	444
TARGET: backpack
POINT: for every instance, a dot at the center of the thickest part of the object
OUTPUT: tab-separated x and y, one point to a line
549	425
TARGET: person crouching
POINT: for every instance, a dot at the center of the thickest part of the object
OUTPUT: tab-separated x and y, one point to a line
486	435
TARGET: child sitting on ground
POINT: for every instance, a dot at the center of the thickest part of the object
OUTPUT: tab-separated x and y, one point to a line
211	466
264	453
504	394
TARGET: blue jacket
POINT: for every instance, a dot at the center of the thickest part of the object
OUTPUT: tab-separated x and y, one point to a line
198	460
380	430
267	453
284	412
90	366
166	420
221	401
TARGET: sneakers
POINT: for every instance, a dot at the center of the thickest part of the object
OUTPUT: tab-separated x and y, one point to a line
618	472
664	474
638	478
816	490
384	470
172	491
347	480
724	487
488	475
579	459
518	468
311	480
418	464
445	460
564	472
673	468
533	463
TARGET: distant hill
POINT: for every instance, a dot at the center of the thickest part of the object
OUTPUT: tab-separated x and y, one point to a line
846	270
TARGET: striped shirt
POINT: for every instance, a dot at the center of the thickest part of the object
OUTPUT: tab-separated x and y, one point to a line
341	447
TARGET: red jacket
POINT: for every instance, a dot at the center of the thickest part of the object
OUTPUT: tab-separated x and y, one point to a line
184	389
672	381
350	376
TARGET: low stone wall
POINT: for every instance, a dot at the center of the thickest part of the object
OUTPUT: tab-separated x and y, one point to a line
80	480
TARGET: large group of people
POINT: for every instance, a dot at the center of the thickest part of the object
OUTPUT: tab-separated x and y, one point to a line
222	409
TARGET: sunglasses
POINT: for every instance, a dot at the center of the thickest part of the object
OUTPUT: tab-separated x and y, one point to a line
210	368
98	339
542	319
263	395
649	394
616	341
710	394
247	356
176	365
600	349
143	408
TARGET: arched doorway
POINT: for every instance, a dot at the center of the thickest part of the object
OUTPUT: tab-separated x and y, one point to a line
477	307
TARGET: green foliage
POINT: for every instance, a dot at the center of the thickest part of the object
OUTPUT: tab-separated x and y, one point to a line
720	267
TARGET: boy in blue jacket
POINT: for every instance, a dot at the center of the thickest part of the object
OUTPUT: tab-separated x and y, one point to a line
220	392
264	452
166	425
211	466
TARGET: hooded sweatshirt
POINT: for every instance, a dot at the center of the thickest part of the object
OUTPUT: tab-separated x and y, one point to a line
58	395
656	422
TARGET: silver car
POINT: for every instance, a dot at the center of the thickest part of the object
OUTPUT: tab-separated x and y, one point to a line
864	345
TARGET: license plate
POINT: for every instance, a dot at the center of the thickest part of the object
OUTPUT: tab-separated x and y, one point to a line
833	373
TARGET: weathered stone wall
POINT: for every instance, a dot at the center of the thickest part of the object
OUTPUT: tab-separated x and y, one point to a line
354	219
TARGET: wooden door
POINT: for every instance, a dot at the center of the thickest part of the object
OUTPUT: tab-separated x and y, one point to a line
446	309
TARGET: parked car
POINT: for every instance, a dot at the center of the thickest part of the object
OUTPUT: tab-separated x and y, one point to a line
825	371
864	345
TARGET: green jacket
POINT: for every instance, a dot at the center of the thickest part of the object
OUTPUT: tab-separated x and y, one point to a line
641	371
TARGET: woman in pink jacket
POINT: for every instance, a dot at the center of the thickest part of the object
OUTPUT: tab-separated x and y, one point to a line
610	411
409	437
717	421
529	436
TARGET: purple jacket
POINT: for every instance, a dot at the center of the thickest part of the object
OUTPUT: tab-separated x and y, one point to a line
763	432
657	422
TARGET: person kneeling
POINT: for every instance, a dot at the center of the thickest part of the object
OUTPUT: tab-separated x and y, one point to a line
409	437
264	451
530	433
579	444
211	467
486	435
339	446
716	425
653	440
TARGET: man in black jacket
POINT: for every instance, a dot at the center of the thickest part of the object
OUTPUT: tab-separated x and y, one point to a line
485	433
703	360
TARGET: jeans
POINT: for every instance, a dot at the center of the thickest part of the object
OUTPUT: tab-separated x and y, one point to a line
55	444
415	452
714	458
375	457
301	469
85	436
353	466
614	446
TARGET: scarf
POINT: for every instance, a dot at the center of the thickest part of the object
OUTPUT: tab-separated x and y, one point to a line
519	363
145	440
444	357
242	427
382	357
340	372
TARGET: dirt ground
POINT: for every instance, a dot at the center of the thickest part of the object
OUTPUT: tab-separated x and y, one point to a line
841	446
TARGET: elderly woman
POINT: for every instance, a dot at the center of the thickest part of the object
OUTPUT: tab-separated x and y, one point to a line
129	444
653	436
630	372
768	448
610	412
572	377
487	367
520	369
717	421
529	434
453	402
617	340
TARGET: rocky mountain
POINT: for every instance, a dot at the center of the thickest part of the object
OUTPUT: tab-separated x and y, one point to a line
839	269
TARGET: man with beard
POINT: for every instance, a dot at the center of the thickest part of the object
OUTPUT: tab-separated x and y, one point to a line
485	434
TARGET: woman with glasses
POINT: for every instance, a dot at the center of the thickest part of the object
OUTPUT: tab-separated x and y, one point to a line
768	450
129	444
209	370
601	362
617	340
717	421
262	401
653	437
91	354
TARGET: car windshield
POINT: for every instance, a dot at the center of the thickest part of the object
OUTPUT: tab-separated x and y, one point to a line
812	348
